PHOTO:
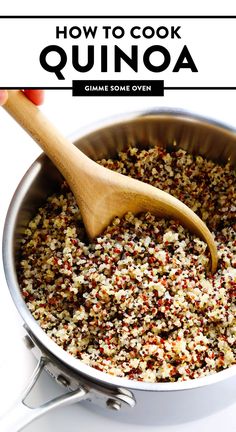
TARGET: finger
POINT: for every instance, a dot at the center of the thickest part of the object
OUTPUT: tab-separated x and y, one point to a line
3	96
36	96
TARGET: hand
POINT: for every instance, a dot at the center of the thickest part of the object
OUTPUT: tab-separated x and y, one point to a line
36	96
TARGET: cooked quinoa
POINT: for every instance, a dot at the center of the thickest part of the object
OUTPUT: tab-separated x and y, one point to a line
138	302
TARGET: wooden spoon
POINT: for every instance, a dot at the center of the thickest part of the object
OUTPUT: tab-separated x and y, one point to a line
101	193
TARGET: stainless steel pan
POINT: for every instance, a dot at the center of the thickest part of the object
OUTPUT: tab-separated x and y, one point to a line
164	128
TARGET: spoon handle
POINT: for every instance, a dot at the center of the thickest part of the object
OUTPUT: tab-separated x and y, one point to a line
67	158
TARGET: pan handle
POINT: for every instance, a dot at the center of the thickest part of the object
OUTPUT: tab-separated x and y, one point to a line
21	414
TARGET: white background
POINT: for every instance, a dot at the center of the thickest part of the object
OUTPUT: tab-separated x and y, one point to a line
18	152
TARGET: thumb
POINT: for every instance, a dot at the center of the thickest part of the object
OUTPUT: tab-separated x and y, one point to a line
3	96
